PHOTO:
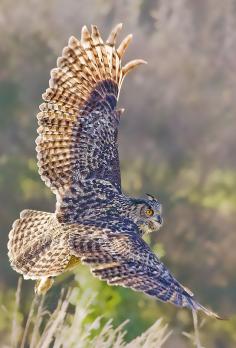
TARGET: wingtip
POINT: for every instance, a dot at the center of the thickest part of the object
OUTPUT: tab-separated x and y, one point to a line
211	314
142	61
72	41
84	33
124	45
218	317
119	25
84	28
94	29
112	37
132	64
215	315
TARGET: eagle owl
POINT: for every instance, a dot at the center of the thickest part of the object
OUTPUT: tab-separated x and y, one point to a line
77	150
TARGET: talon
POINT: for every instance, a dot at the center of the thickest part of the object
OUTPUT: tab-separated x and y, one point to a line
43	285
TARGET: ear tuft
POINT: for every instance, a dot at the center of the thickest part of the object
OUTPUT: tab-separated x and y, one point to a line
151	197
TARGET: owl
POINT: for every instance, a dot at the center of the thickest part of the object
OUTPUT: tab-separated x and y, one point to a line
94	222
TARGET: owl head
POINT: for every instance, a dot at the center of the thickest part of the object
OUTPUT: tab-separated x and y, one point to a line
146	213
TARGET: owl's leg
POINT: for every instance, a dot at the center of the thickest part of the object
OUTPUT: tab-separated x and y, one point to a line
43	285
73	262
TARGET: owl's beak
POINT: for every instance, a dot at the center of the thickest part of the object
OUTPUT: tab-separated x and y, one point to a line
159	219
158	222
152	225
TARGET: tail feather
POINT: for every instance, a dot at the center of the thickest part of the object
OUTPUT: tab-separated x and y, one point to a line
35	247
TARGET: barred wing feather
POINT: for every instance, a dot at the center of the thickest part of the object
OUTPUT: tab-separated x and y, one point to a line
117	254
78	122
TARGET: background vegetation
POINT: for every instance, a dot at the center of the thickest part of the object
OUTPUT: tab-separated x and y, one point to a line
177	141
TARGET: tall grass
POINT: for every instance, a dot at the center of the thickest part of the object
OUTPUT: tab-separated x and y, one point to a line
66	327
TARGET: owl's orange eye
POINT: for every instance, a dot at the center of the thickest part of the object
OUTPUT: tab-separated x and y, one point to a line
149	212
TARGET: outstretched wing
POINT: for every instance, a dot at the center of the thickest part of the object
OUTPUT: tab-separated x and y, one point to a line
78	122
117	254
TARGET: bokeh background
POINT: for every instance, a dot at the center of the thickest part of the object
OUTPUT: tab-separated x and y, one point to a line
177	141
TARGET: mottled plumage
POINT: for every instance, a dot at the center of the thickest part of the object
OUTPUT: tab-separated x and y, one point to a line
77	150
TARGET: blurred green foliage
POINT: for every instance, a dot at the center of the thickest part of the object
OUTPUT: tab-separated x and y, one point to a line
177	141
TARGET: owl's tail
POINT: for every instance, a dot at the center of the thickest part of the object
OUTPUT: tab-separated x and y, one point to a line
34	248
90	70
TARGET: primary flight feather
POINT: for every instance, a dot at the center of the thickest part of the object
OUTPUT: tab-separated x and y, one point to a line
77	150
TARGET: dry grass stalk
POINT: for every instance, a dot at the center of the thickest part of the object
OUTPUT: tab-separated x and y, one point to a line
15	326
63	329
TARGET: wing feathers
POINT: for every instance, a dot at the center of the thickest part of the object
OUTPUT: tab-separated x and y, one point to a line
88	77
131	65
111	40
124	45
123	258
